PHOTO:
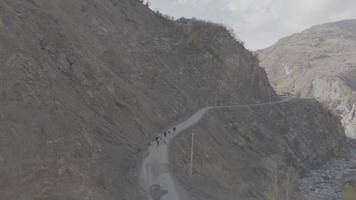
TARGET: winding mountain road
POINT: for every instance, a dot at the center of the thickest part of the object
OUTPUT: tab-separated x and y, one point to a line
155	177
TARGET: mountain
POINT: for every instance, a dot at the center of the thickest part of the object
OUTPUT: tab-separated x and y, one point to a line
87	84
319	63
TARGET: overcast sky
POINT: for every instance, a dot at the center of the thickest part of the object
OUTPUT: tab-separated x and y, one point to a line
260	23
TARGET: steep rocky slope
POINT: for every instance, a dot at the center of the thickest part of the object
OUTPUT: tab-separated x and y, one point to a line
86	83
321	63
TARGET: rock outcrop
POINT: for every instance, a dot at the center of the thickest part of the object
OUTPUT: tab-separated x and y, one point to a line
86	84
319	62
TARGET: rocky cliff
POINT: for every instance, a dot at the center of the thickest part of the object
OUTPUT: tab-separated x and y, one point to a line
320	63
85	85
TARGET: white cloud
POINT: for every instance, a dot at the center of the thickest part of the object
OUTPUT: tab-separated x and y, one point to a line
260	23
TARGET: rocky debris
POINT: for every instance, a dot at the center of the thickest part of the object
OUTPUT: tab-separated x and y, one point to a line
319	63
328	182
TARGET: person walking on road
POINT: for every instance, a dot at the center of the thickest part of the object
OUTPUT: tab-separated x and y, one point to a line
164	138
157	140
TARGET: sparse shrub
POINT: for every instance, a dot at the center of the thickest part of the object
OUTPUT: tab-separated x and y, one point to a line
146	3
242	141
298	94
168	17
233	35
158	13
241	42
209	28
271	195
197	41
349	191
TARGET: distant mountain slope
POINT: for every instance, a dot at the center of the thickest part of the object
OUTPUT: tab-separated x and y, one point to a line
319	62
85	85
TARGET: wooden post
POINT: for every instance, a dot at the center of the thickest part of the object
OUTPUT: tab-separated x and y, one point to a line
3	88
191	155
288	179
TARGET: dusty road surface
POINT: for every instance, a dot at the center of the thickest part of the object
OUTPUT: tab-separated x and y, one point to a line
155	176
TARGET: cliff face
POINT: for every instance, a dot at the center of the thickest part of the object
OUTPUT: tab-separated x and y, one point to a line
319	63
86	84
